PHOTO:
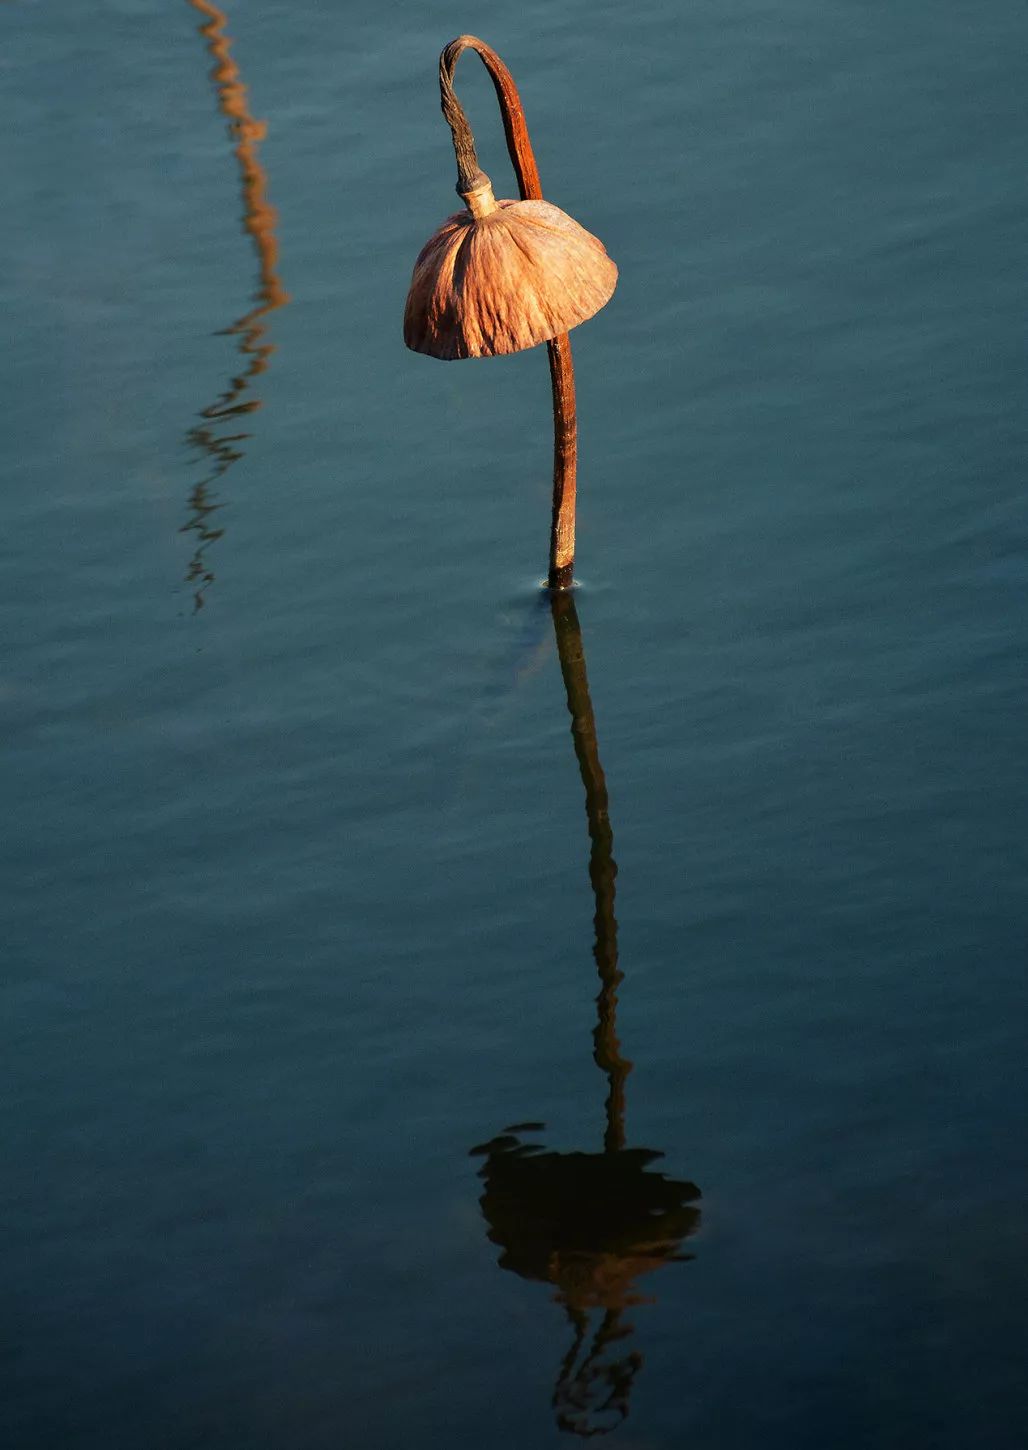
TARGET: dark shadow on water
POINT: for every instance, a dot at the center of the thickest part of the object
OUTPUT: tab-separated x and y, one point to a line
589	1223
209	435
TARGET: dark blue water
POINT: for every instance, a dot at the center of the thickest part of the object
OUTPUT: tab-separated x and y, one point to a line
299	886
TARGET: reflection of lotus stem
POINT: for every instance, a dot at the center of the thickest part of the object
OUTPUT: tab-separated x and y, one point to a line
562	371
602	866
259	222
591	1395
588	1223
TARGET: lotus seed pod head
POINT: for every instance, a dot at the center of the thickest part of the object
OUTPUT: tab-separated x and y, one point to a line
502	276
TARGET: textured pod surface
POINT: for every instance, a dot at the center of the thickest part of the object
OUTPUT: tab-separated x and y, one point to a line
500	283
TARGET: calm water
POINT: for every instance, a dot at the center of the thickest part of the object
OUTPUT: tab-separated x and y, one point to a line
299	883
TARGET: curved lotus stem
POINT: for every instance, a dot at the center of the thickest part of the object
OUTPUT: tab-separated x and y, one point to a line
562	371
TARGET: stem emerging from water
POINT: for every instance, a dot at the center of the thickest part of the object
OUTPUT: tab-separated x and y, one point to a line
562	370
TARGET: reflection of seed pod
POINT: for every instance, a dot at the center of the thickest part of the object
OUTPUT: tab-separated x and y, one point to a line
589	1223
503	276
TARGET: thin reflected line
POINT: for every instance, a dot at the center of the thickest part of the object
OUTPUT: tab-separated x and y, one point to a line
602	866
259	219
590	1224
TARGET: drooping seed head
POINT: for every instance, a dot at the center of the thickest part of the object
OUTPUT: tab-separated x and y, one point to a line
502	276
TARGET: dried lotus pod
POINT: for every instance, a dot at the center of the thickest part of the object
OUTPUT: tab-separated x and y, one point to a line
502	276
505	275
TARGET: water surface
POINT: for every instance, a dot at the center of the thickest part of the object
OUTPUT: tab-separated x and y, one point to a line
309	893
